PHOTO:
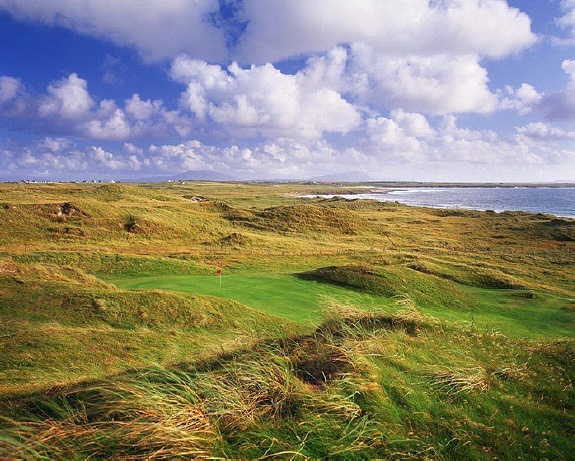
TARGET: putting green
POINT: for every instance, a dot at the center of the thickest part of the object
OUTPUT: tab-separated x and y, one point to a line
290	297
283	295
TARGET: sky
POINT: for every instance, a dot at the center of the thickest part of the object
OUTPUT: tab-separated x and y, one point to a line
418	90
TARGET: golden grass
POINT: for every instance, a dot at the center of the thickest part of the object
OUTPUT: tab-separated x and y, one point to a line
388	383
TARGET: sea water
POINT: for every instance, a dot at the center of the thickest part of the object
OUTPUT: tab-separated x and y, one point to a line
559	201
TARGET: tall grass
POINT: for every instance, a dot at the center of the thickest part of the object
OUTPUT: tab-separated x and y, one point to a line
353	389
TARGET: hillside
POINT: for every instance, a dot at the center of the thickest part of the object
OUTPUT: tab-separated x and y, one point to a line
343	328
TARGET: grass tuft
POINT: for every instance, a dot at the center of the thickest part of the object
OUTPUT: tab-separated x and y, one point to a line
451	381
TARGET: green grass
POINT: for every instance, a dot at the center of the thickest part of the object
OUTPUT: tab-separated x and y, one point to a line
361	386
516	313
412	333
522	314
282	295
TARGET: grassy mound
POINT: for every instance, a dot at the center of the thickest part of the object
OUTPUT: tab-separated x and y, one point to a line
302	219
357	277
235	239
52	315
112	264
562	230
393	281
481	276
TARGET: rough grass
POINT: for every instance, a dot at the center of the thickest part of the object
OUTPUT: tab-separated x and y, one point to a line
90	370
298	219
54	315
355	388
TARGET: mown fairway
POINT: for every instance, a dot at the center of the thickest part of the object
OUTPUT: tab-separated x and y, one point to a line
282	295
516	313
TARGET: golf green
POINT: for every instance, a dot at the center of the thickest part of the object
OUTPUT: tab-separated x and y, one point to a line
283	295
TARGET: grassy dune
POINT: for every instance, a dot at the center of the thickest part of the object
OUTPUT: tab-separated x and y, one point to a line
344	329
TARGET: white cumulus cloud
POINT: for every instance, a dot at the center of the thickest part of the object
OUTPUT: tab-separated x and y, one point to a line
522	99
263	100
69	108
9	88
408	27
68	98
439	84
567	22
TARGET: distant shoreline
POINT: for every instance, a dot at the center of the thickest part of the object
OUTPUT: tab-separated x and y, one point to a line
387	187
559	201
394	185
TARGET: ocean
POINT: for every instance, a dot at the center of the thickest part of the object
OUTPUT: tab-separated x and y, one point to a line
559	201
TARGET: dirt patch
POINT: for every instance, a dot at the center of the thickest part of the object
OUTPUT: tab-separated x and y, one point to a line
67	209
196	198
316	362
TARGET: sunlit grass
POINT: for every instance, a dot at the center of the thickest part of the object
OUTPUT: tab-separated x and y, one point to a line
516	313
342	329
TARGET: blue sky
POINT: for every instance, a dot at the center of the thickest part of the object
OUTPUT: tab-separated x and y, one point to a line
440	90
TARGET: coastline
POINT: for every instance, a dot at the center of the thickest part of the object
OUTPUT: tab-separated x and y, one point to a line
541	199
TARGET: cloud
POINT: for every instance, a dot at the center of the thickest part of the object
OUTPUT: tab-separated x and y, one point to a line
417	55
391	143
114	70
381	85
560	105
182	157
68	99
408	139
388	140
282	157
566	22
46	157
543	132
108	123
61	157
554	145
9	88
439	84
252	33
412	124
523	99
55	144
106	159
142	110
261	100
402	146
407	27
13	97
158	30
67	108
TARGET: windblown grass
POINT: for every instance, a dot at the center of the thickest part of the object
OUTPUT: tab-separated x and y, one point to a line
352	389
455	341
